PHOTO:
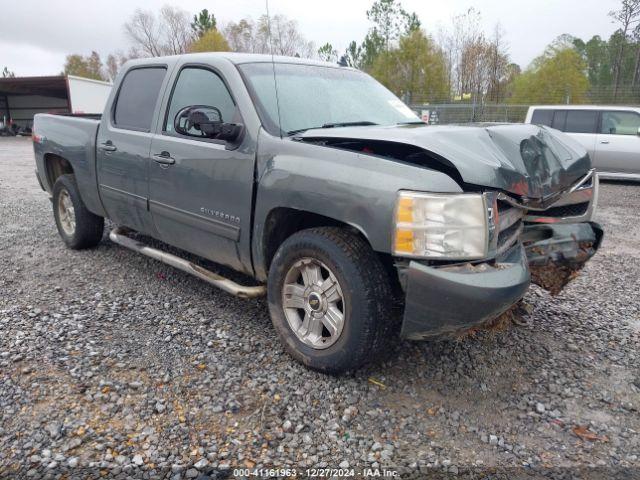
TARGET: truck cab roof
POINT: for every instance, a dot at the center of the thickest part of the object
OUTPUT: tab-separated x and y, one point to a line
233	57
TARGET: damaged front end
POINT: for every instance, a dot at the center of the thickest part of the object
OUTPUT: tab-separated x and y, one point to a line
556	253
561	239
545	246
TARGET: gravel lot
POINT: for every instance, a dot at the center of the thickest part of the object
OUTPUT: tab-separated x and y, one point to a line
112	364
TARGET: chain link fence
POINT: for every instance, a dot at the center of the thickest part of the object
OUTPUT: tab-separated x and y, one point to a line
443	111
440	114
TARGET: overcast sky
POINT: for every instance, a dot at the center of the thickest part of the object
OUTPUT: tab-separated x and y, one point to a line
35	35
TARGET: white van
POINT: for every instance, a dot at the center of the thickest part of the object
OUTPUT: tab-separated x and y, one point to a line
611	135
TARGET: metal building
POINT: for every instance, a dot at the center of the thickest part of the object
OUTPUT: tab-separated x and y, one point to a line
22	97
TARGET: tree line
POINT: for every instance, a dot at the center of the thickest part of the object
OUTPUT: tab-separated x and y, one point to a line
457	63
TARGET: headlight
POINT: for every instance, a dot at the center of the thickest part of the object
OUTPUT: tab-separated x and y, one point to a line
441	226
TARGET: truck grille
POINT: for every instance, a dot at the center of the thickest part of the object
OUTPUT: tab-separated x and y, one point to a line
575	210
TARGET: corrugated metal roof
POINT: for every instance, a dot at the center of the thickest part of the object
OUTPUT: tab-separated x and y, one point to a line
51	86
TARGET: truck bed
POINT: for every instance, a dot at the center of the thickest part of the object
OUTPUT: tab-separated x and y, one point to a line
73	138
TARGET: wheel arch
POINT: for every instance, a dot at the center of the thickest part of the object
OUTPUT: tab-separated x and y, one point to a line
55	166
282	222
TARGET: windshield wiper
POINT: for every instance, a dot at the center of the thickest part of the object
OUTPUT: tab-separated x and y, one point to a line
362	123
416	122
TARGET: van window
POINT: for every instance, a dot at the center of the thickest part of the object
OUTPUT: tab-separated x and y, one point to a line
581	121
559	119
137	98
542	117
620	123
198	86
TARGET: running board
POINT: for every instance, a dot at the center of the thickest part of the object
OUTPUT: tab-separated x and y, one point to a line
118	236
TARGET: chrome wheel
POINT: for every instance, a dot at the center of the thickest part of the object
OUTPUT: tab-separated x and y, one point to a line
313	303
66	213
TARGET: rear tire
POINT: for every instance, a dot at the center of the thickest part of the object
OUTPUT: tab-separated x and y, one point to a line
339	329
77	226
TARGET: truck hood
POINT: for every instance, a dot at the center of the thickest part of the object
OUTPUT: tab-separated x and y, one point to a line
534	163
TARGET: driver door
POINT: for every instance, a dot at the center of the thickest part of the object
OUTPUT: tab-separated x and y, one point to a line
200	189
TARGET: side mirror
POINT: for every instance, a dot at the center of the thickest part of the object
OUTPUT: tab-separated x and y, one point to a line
638	132
203	121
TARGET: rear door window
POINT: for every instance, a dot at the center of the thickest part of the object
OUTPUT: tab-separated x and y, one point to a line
542	117
137	98
581	121
559	119
620	123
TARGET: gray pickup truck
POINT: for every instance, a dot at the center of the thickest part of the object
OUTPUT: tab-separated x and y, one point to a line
356	219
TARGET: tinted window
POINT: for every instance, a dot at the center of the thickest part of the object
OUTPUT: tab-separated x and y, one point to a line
197	86
137	98
559	119
620	123
542	117
581	121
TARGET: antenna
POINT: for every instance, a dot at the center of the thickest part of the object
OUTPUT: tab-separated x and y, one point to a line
273	64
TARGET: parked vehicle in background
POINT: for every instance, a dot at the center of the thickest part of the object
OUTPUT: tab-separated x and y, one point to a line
330	191
610	134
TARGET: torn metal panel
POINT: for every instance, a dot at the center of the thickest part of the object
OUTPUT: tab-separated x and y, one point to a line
537	164
556	253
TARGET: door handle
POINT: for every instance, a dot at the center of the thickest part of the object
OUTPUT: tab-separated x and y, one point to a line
164	158
605	142
108	146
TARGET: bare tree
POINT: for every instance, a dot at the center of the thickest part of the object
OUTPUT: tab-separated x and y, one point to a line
498	63
253	37
477	66
242	37
627	16
178	33
170	33
114	62
144	33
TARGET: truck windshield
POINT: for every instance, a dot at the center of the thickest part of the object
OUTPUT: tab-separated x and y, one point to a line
311	96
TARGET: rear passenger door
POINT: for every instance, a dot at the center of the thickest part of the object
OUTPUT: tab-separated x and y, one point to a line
618	142
123	144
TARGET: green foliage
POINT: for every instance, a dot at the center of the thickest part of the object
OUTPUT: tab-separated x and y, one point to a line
210	41
87	67
390	22
6	73
327	53
557	76
415	68
597	54
203	22
613	66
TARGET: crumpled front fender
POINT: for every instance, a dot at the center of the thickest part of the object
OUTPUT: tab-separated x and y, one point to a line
556	253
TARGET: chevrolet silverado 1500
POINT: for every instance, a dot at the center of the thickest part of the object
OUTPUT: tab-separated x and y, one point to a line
324	187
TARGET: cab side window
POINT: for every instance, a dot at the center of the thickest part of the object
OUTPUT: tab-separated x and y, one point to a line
137	98
620	123
199	86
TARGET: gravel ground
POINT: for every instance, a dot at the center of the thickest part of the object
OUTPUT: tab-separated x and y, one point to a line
114	365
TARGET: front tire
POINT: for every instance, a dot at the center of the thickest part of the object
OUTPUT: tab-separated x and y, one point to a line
77	226
330	299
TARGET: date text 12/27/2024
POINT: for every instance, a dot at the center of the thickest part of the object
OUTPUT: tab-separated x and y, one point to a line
313	473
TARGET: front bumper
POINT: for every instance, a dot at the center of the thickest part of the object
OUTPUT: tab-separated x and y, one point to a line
445	300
